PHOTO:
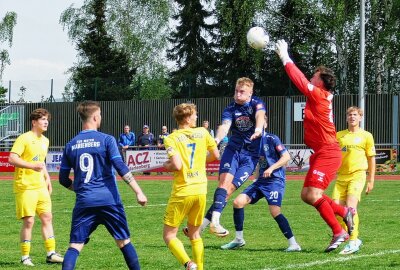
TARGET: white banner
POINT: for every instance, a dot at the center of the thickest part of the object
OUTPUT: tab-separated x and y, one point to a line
300	160
145	160
298	111
53	161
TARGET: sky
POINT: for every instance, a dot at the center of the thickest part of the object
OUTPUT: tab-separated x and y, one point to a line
40	50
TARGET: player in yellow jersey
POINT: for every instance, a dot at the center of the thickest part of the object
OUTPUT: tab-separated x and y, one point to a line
358	157
32	186
188	148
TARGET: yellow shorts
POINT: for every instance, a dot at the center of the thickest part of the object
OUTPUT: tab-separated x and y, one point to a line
350	184
31	202
178	208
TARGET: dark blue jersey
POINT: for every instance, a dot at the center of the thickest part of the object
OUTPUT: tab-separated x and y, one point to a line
271	151
90	155
243	119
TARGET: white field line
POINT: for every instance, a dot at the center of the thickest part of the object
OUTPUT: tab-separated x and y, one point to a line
334	260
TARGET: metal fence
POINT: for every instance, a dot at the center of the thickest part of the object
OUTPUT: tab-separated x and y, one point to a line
381	116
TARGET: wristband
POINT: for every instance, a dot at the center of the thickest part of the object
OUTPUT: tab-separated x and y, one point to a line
128	178
258	130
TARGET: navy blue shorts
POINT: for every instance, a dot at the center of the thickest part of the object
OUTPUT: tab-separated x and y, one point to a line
86	220
240	164
272	191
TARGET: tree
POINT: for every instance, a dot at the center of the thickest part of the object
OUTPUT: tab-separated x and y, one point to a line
21	94
138	28
234	57
191	51
3	92
6	36
104	72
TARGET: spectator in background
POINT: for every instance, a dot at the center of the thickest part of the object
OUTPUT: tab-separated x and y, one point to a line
146	139
126	139
161	137
206	125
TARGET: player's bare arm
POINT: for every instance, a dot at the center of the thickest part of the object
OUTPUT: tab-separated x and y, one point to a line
260	121
371	174
223	130
174	163
285	157
130	180
212	155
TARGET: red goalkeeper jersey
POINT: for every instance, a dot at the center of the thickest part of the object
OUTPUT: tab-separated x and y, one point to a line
319	128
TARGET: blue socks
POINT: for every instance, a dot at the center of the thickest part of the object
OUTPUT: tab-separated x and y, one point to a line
220	199
283	224
238	218
70	258
131	257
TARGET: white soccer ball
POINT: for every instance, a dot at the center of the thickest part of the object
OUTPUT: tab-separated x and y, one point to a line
257	38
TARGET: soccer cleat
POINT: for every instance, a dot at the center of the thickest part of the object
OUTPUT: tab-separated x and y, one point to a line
236	243
185	231
348	219
27	261
218	230
293	248
190	266
54	258
352	247
337	240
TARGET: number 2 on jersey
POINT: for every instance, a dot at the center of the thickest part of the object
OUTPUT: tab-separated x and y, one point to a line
193	148
86	158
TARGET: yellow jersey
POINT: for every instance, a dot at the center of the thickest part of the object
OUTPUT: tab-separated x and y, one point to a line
191	145
30	148
356	147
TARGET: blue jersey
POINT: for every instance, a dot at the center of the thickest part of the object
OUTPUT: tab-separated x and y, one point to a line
271	151
90	154
243	119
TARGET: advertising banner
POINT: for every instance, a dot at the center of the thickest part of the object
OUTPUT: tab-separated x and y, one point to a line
4	165
300	160
386	160
53	161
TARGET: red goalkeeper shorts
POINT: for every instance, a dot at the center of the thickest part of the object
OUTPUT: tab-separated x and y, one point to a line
324	165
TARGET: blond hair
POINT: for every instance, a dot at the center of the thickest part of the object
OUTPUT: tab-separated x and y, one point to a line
183	110
245	80
355	108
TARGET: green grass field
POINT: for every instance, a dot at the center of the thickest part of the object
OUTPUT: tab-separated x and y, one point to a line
380	231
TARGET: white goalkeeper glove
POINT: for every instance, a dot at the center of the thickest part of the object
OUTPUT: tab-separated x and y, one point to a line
281	48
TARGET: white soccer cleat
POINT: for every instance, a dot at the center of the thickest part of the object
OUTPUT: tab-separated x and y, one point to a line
337	240
27	262
352	247
236	243
54	258
218	230
293	248
190	266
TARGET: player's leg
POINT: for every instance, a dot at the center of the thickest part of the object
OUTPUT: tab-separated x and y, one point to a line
339	195
44	210
355	188
239	203
273	193
26	202
114	219
71	256
82	225
175	212
195	217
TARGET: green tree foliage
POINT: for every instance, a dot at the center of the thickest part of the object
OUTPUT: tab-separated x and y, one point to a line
138	28
235	58
104	72
191	50
7	24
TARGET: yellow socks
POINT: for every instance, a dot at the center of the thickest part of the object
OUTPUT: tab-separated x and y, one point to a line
178	250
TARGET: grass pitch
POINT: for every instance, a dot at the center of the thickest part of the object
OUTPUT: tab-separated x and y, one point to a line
380	231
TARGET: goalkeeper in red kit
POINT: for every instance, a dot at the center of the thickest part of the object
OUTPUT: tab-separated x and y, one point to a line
320	136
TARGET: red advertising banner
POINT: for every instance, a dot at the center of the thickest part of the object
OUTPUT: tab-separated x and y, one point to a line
4	165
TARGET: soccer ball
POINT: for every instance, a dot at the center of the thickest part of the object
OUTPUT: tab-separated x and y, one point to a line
257	38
